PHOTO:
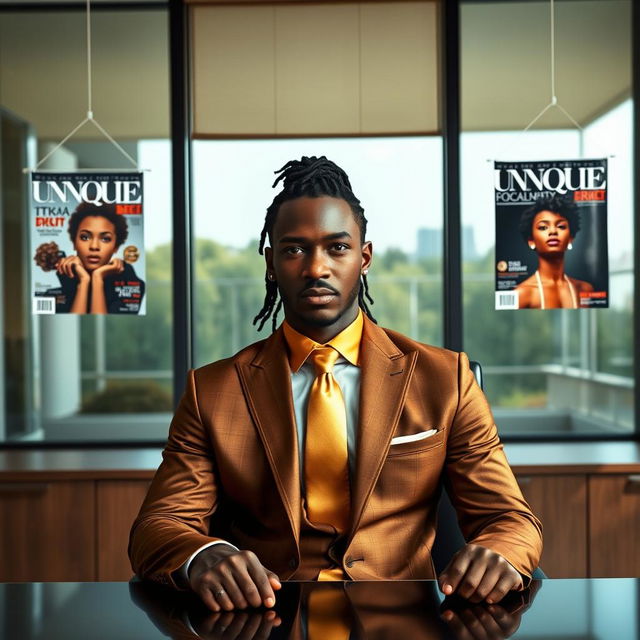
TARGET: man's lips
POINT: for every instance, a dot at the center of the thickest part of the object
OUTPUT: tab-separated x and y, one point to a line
318	295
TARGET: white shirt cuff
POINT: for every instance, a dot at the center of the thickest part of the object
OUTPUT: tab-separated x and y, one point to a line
184	569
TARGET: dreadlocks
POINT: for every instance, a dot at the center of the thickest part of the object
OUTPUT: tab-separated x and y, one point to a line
312	178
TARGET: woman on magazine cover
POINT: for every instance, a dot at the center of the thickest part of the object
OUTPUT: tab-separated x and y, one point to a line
92	280
549	227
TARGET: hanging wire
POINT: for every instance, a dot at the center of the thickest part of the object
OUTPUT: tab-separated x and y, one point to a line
89	79
553	103
89	118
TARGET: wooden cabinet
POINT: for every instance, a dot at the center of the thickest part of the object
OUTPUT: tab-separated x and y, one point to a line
591	523
560	502
614	526
118	503
66	515
48	531
67	531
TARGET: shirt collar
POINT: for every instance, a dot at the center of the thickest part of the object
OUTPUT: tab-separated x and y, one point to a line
346	343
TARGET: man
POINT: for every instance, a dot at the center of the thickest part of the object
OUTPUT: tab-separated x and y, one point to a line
318	453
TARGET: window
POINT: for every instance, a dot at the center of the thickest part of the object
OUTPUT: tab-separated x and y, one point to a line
398	181
70	374
554	371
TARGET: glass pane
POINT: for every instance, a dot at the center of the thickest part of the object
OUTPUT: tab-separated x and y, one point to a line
555	370
89	371
399	182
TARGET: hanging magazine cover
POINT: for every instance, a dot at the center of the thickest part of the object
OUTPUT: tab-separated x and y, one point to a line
87	243
551	235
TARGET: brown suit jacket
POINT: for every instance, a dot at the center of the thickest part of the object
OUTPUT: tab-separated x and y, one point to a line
230	466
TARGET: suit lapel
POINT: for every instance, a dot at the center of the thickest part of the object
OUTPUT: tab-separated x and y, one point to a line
266	384
386	373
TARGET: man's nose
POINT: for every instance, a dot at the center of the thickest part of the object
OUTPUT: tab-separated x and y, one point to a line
316	266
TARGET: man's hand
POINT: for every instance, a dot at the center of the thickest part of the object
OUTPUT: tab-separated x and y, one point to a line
477	573
228	579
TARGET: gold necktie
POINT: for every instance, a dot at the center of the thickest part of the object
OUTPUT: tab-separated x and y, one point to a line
326	460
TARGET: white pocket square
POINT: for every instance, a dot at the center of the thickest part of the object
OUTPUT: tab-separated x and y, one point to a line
414	437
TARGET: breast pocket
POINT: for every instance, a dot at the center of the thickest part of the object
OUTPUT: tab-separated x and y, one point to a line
406	445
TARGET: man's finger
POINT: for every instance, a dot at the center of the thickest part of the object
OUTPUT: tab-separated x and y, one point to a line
450	578
223	599
502	587
472	578
487	584
274	581
210	602
234	591
248	580
263	590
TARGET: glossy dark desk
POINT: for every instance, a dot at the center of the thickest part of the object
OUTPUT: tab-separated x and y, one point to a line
597	609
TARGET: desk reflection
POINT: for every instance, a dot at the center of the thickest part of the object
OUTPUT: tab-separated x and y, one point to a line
351	610
596	609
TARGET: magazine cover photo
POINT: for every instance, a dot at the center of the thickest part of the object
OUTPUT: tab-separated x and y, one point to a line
551	235
87	243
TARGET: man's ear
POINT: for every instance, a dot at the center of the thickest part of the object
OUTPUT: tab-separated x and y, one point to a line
268	258
367	255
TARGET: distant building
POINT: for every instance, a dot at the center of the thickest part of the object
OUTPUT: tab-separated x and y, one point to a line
430	241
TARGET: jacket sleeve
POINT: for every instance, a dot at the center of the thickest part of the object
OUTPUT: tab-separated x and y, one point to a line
174	518
491	509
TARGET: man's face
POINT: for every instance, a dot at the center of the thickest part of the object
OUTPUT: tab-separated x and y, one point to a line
317	257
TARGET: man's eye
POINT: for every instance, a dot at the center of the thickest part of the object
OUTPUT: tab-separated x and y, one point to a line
340	246
293	250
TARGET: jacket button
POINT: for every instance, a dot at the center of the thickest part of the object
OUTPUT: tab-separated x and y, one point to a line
350	562
293	563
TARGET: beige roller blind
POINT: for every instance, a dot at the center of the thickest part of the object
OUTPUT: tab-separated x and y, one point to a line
314	69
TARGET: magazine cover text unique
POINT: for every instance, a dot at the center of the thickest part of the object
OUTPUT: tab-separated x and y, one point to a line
87	243
551	235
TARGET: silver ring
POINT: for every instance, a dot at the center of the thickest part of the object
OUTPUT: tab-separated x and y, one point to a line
219	593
